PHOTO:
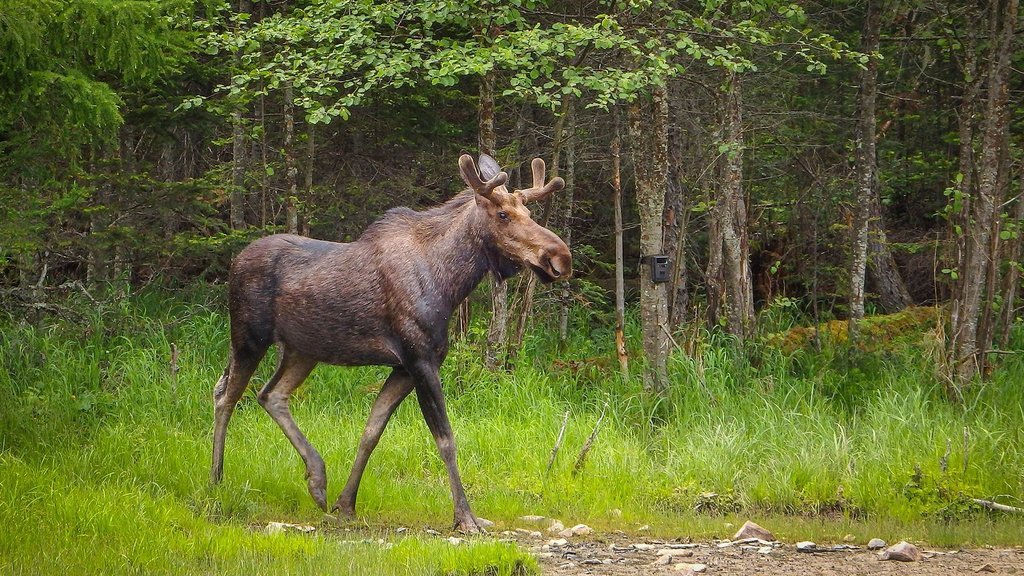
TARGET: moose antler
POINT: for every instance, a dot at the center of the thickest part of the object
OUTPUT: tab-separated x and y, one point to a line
540	190
470	175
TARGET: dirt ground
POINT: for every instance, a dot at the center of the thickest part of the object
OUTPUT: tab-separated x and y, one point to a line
621	554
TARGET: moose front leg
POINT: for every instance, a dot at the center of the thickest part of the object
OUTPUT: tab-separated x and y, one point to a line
395	389
431	400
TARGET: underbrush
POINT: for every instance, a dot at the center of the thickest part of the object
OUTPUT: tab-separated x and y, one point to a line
105	421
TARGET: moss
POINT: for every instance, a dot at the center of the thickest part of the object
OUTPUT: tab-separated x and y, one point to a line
877	332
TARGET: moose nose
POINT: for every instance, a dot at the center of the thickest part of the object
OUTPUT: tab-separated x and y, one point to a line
560	263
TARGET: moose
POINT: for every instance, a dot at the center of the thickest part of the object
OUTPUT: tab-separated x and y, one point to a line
384	299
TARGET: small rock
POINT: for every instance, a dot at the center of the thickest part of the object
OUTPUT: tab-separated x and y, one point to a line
533	518
902	552
557	543
455	541
400	530
567	533
581	530
432	532
985	568
279	527
674	553
849	538
752	530
876	544
806	546
556	526
691	568
662	561
764	550
642	546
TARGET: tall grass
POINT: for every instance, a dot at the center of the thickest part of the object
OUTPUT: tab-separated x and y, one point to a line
107	450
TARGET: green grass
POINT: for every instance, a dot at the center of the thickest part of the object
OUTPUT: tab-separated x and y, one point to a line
104	453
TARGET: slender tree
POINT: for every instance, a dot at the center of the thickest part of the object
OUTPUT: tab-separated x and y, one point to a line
648	133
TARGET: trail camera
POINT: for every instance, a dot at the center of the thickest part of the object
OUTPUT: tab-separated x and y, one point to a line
659	264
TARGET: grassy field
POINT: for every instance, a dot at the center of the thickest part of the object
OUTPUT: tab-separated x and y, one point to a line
104	451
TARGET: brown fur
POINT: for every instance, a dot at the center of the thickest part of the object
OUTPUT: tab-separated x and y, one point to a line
385	299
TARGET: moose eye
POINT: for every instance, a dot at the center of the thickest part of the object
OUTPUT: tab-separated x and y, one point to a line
503	216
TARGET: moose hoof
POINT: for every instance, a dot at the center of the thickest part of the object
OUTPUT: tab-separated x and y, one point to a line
473	525
319	494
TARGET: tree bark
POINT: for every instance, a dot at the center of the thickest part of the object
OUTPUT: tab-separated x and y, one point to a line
620	283
567	207
290	168
730	284
238	159
648	131
867	168
677	219
497	331
965	346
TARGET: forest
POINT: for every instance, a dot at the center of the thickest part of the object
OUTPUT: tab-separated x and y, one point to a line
796	239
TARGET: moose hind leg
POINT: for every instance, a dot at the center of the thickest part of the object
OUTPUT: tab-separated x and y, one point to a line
291	372
226	393
395	389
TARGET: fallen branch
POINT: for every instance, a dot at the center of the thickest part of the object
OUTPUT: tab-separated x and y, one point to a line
997	506
558	443
590	441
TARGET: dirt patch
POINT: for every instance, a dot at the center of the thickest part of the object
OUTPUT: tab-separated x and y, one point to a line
620	554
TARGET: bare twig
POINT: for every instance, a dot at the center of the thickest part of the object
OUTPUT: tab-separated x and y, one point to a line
997	506
590	442
174	369
558	443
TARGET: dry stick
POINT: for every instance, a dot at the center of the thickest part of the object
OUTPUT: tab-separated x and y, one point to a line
174	369
997	506
558	443
590	441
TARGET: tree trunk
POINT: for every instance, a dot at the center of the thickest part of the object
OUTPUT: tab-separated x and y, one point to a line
497	332
620	283
867	168
966	121
567	204
526	310
238	160
1011	279
965	346
307	188
290	169
677	218
730	284
648	131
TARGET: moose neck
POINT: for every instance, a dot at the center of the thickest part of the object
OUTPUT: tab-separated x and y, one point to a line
462	251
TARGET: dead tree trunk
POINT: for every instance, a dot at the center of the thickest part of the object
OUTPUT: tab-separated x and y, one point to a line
567	198
965	347
648	132
620	283
730	284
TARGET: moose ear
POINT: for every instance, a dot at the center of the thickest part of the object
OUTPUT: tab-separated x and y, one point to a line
488	167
